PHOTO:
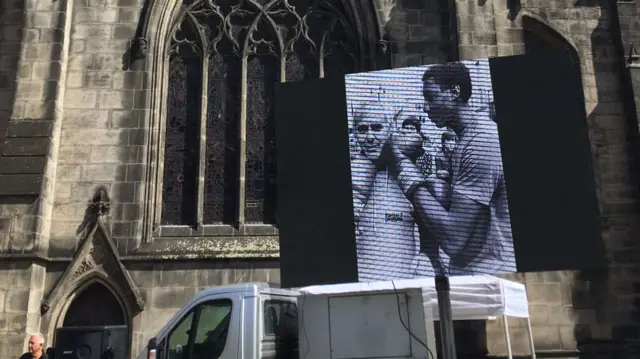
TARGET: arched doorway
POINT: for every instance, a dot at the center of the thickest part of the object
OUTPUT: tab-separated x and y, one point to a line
96	305
95	326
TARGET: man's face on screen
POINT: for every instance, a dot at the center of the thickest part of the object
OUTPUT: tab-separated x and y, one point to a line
439	104
371	132
449	145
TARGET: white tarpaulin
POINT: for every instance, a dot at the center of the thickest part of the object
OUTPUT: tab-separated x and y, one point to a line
472	297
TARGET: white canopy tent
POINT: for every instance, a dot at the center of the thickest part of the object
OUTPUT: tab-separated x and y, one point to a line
472	298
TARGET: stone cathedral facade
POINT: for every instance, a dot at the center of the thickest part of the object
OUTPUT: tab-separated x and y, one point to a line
137	155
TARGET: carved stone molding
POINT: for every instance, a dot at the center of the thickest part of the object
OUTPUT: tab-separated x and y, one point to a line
383	47
139	48
98	254
101	203
98	257
44	307
83	268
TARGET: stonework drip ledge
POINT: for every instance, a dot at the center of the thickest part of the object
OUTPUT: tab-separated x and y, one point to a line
209	247
192	248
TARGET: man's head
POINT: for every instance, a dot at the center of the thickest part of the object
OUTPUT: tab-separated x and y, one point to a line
411	134
372	128
445	88
449	140
36	342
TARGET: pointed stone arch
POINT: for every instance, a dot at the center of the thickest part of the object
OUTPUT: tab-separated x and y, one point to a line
157	24
96	262
545	31
82	308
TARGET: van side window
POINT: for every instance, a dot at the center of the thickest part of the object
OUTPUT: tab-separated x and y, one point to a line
179	339
212	329
281	327
280	318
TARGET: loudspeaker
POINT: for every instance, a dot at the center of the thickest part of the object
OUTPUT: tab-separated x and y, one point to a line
101	342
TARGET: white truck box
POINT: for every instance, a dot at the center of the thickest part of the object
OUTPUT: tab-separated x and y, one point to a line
367	324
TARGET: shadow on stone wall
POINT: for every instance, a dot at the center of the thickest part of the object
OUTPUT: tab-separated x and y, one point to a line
605	312
97	206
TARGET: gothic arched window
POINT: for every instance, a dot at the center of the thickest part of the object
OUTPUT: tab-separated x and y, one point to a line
224	58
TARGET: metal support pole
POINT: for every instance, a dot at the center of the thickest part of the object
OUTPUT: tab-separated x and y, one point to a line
446	317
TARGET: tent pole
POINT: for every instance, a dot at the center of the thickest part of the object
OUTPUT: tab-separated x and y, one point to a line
530	335
507	337
443	289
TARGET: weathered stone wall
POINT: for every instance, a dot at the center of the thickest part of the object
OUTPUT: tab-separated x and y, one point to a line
102	134
418	32
34	33
20	293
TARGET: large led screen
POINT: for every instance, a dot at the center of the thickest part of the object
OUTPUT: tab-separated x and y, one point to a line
463	168
429	191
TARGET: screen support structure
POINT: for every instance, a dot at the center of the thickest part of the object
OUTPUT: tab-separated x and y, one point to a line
443	289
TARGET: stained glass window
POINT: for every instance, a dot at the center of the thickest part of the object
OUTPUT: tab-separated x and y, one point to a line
262	74
181	141
221	166
276	40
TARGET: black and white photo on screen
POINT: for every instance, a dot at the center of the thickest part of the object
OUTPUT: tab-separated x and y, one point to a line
428	185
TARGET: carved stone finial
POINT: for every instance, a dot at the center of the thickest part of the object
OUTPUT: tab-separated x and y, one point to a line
139	48
101	203
140	303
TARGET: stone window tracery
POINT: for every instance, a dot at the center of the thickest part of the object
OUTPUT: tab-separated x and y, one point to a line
224	57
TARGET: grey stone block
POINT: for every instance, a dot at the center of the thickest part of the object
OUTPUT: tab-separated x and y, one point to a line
172	297
26	147
17	300
20	184
29	128
22	165
169	277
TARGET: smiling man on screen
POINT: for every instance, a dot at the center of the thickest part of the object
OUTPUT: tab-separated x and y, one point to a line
386	232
